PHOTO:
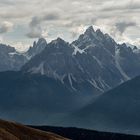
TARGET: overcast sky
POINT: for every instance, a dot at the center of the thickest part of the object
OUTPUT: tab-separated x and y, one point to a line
23	21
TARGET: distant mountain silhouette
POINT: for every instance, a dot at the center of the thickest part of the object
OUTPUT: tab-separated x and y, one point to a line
85	134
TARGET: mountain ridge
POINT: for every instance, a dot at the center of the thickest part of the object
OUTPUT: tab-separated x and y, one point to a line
11	59
93	58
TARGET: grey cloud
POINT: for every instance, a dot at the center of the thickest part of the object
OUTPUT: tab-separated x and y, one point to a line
35	28
122	6
5	27
6	2
35	21
47	17
51	16
35	33
39	16
35	24
122	26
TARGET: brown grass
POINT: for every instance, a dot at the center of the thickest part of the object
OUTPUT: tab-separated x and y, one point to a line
15	131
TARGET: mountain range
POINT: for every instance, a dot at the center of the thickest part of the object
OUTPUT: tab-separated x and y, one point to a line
87	83
94	60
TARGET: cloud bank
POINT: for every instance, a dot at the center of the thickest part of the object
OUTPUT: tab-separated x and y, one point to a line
50	18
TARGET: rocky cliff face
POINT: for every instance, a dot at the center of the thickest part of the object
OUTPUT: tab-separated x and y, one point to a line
10	59
94	61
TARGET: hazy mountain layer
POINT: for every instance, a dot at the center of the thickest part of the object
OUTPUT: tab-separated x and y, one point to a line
115	111
36	99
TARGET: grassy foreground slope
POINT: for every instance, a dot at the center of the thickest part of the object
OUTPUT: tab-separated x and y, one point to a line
15	131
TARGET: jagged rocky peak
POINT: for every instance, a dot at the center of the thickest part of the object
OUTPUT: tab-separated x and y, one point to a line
41	41
92	33
89	30
126	45
91	39
126	49
34	44
95	36
37	47
109	38
123	47
59	40
94	58
135	48
10	59
102	36
59	43
7	48
99	35
86	39
99	32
